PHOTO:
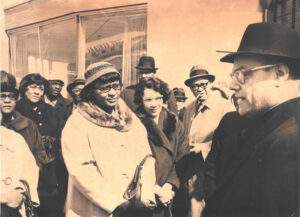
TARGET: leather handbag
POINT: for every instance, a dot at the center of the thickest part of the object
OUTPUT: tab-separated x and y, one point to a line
133	191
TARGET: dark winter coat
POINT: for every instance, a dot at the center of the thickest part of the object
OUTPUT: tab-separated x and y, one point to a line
52	187
28	129
168	145
254	170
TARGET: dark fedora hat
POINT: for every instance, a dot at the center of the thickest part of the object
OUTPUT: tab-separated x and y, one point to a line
73	84
199	72
269	39
146	63
179	93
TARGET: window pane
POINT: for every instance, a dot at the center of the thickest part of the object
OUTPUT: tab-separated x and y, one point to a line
119	39
24	48
59	50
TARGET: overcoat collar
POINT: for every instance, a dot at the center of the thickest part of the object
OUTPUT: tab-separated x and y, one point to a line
252	140
161	134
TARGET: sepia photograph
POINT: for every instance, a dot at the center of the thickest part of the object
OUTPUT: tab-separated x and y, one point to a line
150	108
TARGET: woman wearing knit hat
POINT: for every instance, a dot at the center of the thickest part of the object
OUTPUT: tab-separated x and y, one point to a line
102	143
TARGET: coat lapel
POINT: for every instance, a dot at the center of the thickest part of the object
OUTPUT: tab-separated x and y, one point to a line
252	142
157	133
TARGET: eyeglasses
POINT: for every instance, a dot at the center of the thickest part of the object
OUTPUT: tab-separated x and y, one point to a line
107	88
197	86
10	96
240	74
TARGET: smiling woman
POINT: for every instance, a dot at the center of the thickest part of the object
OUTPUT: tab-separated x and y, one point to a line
166	139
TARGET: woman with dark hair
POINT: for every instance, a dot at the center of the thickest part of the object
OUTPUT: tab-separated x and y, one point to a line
166	139
53	175
101	150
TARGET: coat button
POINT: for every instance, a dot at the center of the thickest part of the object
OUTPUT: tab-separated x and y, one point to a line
7	180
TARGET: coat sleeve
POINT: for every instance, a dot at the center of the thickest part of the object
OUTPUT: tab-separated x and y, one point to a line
31	170
181	150
81	166
172	104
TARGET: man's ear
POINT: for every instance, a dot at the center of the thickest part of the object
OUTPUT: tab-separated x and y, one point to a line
282	72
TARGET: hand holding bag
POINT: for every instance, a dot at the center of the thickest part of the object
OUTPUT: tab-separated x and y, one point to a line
133	191
30	206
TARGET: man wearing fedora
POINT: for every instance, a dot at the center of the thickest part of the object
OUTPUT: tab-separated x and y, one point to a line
255	169
146	68
200	120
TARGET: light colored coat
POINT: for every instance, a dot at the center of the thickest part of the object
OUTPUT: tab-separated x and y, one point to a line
97	193
17	163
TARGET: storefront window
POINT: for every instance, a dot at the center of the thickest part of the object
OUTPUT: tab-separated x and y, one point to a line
25	57
119	39
63	47
59	50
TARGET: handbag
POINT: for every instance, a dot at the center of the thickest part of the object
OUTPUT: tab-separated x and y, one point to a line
30	206
133	191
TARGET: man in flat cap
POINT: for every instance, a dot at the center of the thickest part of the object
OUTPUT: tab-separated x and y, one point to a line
200	120
146	69
53	97
254	169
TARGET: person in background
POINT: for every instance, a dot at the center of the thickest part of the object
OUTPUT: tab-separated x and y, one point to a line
13	120
200	120
180	100
102	143
52	186
53	97
17	165
74	89
145	69
254	171
166	138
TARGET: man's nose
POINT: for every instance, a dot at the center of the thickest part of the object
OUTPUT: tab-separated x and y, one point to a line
234	85
112	92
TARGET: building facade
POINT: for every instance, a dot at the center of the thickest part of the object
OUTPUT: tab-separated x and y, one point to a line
286	12
62	41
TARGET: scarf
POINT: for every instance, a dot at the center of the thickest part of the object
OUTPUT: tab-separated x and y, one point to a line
120	119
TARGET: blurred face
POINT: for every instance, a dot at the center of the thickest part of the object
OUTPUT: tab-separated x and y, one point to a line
180	103
77	89
34	92
55	87
107	95
199	88
152	102
146	74
249	77
7	102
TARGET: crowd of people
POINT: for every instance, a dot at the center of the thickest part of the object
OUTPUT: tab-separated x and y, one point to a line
140	151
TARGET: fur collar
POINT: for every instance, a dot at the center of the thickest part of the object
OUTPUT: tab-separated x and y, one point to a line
120	119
